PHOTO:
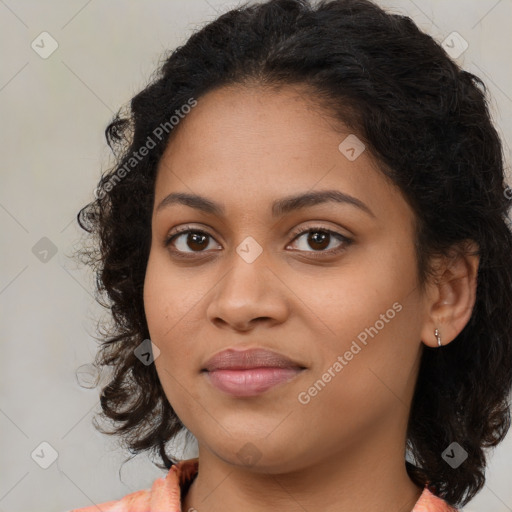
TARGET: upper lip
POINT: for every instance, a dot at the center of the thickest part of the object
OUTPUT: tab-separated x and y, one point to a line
233	359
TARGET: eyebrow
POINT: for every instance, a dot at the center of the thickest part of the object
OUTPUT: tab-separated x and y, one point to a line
280	207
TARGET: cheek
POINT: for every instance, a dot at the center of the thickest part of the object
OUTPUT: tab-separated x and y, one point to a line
354	299
158	297
167	297
172	304
370	312
166	304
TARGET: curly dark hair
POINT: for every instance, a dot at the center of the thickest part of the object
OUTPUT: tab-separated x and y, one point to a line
428	124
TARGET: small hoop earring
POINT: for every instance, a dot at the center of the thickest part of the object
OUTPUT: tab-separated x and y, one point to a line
438	337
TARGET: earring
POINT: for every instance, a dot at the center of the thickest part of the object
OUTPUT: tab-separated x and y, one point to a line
438	337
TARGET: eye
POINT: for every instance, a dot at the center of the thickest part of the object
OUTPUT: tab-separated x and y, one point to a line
186	241
194	239
320	238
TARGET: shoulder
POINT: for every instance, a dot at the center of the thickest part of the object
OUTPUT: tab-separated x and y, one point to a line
429	502
164	494
133	502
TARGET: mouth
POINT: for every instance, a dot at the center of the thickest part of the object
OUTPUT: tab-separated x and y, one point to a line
250	382
250	372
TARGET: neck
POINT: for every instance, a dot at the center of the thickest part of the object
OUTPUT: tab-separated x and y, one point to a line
368	475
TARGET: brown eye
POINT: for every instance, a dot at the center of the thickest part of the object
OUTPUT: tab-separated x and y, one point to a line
197	241
189	240
319	240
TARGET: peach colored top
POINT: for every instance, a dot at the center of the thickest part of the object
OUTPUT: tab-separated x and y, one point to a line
165	495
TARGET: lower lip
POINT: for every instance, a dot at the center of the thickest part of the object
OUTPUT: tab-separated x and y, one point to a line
250	382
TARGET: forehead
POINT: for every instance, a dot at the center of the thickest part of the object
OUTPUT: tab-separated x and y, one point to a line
243	145
250	119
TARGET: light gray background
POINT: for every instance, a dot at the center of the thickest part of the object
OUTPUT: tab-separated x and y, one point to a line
53	112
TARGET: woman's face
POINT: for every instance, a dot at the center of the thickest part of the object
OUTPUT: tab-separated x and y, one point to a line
344	307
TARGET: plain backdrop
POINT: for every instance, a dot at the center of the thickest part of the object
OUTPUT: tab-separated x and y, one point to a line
53	112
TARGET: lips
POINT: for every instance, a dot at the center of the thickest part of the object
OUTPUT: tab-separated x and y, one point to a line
231	359
249	372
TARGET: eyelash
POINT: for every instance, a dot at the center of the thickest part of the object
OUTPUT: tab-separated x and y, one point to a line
315	229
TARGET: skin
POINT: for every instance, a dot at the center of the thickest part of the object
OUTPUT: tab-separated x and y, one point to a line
344	450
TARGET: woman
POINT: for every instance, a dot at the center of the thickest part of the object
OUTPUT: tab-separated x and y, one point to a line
305	247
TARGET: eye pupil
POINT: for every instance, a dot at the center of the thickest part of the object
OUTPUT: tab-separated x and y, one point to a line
313	238
195	237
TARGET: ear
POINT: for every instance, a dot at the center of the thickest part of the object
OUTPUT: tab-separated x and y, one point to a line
451	294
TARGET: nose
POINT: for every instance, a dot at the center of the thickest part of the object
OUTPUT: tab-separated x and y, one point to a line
248	294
